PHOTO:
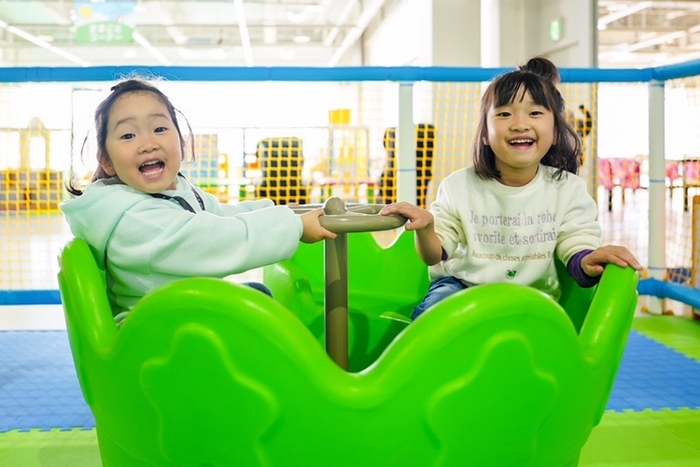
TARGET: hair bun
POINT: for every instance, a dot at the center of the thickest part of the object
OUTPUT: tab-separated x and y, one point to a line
544	68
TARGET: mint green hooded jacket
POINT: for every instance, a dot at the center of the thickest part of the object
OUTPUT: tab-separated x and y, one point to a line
144	242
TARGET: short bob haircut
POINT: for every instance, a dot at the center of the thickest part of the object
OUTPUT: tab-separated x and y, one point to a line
102	119
566	149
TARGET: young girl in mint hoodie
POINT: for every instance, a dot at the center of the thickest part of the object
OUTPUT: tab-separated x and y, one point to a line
147	225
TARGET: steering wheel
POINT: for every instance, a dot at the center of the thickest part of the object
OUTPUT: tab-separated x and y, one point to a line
342	218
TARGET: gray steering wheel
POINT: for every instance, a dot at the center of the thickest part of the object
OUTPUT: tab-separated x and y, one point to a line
342	218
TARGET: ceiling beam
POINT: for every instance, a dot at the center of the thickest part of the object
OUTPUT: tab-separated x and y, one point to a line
157	54
603	21
243	31
644	44
43	44
367	15
339	21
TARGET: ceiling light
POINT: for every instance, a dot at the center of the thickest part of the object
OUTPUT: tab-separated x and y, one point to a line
301	39
42	43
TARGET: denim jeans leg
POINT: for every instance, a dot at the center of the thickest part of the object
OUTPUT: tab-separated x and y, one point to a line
259	286
439	289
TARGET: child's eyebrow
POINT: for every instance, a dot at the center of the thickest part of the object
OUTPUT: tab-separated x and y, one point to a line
127	119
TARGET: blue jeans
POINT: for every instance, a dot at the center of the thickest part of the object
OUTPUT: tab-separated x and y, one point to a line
258	286
439	290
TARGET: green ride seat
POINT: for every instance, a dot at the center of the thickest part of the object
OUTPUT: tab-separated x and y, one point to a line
384	284
204	372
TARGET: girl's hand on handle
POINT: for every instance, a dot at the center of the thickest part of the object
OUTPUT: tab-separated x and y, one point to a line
594	263
421	220
418	218
313	230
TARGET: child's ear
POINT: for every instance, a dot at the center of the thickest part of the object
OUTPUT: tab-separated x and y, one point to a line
108	167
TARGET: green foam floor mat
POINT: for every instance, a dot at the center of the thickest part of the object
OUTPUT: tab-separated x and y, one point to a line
665	438
54	448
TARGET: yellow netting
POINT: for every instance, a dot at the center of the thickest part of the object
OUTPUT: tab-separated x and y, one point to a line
303	142
424	147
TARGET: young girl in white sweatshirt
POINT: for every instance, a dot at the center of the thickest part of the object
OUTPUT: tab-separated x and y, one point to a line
521	205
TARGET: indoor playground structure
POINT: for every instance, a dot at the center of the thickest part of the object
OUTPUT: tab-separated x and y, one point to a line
682	284
369	130
208	372
334	357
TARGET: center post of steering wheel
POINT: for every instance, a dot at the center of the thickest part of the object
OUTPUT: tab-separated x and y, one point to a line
342	219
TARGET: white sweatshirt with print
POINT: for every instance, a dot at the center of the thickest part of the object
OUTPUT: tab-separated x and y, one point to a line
496	233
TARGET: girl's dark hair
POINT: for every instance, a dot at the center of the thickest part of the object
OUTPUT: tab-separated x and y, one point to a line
102	119
539	77
548	71
543	67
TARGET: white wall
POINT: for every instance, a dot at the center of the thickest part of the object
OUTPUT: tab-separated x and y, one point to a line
514	30
450	33
404	37
456	36
578	45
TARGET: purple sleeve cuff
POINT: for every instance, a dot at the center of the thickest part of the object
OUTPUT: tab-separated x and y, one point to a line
576	271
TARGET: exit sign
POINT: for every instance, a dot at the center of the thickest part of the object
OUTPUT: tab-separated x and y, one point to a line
556	29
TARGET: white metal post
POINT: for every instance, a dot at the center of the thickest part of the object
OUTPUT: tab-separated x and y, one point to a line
657	190
406	147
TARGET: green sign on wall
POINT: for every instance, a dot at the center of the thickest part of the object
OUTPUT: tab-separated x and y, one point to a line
105	22
556	29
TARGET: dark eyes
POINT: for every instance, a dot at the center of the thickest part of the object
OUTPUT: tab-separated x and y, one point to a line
504	113
159	129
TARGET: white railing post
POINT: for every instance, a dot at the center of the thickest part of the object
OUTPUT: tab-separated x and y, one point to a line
657	190
406	147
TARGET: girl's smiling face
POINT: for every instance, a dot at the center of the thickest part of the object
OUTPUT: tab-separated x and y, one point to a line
520	133
143	143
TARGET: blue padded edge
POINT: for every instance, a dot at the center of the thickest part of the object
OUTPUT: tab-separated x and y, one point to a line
30	297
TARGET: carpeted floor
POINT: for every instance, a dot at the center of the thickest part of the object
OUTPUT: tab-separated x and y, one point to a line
653	416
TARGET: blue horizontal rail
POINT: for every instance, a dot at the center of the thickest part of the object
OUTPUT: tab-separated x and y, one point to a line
359	73
653	287
30	297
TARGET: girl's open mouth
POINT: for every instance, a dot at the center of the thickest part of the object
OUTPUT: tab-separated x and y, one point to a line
152	168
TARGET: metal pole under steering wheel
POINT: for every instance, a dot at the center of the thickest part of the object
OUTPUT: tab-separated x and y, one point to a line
341	219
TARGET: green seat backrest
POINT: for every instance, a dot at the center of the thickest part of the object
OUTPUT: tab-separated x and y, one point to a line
206	372
384	284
